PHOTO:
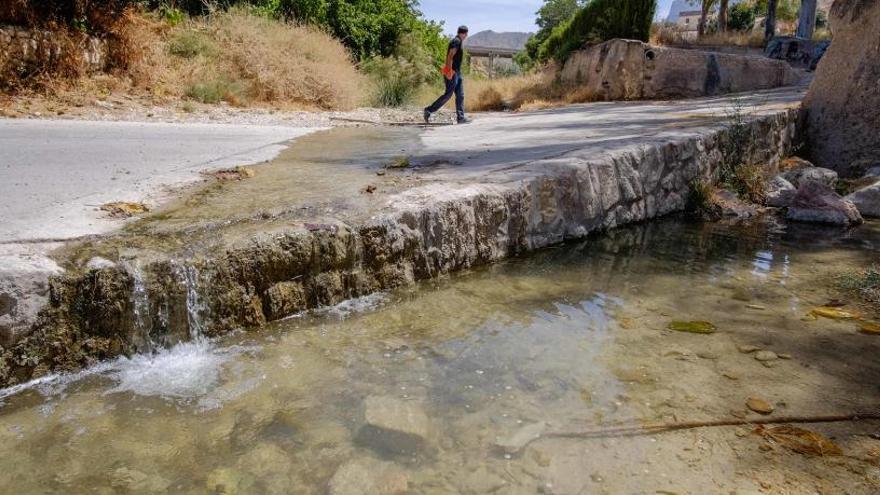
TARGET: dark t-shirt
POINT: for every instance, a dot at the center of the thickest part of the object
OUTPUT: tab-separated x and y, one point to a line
459	55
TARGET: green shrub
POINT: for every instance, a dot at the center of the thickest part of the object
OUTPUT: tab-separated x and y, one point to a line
215	91
189	44
741	18
395	81
599	21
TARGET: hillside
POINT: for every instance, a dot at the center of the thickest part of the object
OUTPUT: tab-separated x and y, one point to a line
491	39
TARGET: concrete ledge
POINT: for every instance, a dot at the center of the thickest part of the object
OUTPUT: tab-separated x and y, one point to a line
427	231
632	70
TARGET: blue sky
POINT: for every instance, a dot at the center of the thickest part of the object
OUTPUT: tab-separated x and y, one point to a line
498	15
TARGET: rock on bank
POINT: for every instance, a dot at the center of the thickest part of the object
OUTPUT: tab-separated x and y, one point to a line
843	103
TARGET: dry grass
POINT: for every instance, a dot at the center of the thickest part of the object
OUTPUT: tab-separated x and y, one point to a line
528	92
242	58
232	57
669	34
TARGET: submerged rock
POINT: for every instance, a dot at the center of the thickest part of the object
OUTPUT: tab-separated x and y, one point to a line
816	202
394	425
766	356
760	406
867	200
363	476
518	440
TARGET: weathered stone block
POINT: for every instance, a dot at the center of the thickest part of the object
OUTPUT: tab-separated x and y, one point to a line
632	70
285	299
843	104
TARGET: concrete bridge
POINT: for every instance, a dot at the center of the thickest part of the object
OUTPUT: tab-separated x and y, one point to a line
491	56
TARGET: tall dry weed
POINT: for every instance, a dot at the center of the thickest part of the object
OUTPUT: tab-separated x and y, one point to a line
254	59
534	91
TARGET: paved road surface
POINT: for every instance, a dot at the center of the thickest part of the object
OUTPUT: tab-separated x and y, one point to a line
53	173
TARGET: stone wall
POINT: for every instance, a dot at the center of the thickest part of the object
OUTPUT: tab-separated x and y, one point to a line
632	70
426	232
22	50
843	103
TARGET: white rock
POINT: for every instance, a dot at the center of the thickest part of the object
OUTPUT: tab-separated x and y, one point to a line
867	200
99	263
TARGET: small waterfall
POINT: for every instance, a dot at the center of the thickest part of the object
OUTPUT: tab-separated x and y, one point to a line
141	303
195	307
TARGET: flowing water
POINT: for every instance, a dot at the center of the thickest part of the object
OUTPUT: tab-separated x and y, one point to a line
473	384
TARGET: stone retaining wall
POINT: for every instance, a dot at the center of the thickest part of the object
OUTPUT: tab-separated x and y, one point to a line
23	49
428	231
632	70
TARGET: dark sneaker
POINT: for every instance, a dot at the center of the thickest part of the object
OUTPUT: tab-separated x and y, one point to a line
427	115
464	121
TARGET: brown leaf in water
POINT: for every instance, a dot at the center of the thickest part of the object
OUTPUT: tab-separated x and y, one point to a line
799	440
870	328
832	313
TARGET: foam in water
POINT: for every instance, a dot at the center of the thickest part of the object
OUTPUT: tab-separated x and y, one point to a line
357	305
187	370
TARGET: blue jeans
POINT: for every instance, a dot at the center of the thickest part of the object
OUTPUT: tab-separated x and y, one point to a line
453	86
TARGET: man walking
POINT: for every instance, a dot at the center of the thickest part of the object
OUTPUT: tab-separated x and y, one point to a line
453	79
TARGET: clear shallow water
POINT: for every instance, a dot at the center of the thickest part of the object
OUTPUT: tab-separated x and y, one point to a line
570	339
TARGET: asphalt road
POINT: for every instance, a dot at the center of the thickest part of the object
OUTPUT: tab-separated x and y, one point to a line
53	174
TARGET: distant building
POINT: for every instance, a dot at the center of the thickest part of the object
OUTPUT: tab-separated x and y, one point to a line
689	23
680	6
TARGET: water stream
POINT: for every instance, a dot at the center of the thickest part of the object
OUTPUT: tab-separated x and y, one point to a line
570	339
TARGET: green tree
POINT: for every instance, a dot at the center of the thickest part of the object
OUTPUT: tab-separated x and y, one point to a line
555	12
598	21
742	17
549	16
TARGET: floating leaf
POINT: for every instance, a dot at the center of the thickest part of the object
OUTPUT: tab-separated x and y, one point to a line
799	440
832	313
703	327
870	327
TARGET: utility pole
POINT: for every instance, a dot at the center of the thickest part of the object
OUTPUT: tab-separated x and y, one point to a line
807	19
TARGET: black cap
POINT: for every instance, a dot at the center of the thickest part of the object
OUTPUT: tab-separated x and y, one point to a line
462	29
